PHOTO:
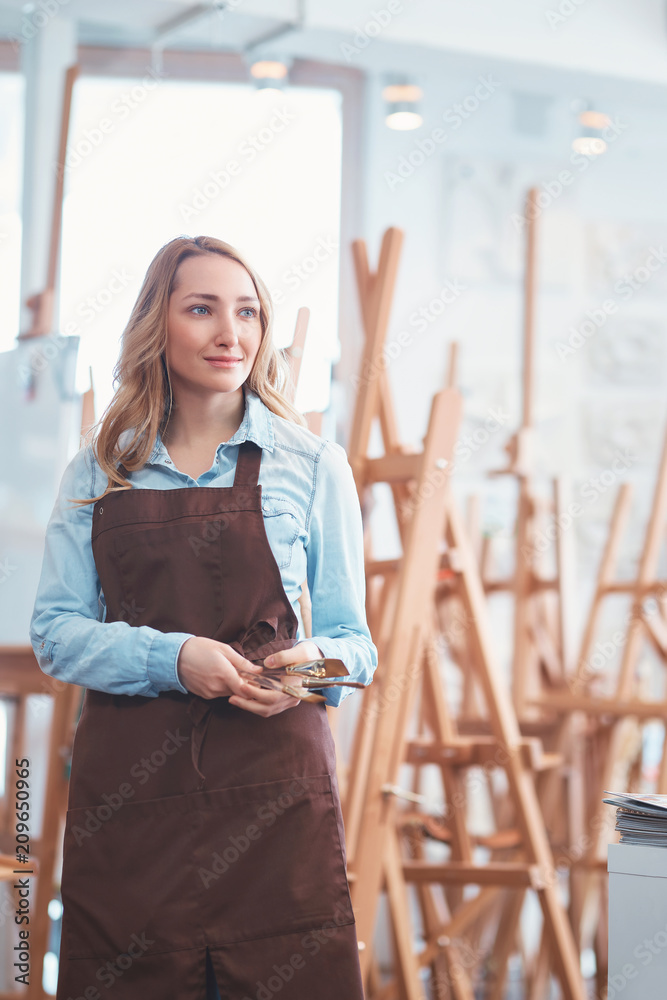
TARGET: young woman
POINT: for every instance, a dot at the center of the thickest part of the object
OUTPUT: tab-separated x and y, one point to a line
204	838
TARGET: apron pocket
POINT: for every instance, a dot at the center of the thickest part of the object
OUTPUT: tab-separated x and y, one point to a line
205	868
270	860
127	879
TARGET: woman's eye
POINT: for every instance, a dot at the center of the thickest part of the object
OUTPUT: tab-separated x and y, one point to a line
200	307
249	309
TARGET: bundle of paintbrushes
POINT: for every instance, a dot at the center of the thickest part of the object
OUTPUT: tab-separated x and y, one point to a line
303	680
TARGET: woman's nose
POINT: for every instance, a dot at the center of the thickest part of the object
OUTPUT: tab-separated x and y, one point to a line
226	332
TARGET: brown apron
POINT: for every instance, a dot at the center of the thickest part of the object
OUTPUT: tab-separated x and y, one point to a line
196	831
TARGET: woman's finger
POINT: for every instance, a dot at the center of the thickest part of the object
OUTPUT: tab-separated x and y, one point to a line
240	661
261	708
299	653
264	695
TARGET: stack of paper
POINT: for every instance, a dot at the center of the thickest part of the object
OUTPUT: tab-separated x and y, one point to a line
640	819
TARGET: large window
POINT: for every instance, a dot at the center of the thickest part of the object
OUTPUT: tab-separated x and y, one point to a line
150	159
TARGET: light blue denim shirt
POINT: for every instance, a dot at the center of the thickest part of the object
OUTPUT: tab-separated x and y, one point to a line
313	524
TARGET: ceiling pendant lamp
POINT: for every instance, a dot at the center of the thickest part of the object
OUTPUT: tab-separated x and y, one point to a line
592	124
269	74
402	105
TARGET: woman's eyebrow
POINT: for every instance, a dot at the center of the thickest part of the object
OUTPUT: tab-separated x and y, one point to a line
216	298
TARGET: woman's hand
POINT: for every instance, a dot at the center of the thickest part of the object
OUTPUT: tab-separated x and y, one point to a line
209	668
266	703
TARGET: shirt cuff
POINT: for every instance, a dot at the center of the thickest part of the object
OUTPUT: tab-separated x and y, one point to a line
329	646
333	648
162	660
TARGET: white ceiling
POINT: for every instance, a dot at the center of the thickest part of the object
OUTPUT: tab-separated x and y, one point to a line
621	39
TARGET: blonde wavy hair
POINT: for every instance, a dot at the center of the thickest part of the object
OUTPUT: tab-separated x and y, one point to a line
143	397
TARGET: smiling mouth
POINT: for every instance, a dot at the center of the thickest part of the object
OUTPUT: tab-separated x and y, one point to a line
224	362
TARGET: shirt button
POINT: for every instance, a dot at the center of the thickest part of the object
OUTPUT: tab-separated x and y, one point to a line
168	461
43	644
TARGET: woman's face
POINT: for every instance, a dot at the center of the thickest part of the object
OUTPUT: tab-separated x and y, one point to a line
213	324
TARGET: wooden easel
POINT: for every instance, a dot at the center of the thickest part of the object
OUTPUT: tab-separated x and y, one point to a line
402	625
542	647
21	677
294	355
593	721
542	654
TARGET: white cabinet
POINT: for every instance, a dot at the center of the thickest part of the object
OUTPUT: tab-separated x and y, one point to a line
637	922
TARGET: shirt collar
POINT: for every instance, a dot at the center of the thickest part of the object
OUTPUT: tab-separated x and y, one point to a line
257	426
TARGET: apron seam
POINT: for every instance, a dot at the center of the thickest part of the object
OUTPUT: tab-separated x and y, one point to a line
221	947
223	788
183	518
268	937
163	951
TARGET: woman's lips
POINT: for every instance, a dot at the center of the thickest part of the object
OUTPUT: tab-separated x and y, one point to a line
224	362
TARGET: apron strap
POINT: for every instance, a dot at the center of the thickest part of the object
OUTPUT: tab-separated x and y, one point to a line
247	464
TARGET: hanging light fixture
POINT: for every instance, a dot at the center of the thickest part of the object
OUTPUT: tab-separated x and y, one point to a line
402	105
590	140
269	73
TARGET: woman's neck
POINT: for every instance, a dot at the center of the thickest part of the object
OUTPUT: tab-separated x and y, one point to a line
192	424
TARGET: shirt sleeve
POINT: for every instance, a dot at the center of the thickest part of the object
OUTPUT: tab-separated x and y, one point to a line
69	639
336	580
